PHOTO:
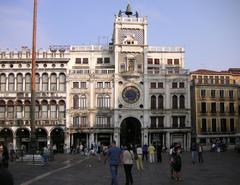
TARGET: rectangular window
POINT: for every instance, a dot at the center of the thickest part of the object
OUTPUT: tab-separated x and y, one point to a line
83	85
107	85
223	125
153	85
175	122
75	84
203	107
231	94
231	107
169	61
85	61
174	85
222	79
222	107
176	61
182	121
214	125
150	61
216	80
156	61
211	79
204	125
181	85
213	94
213	107
107	60
231	125
227	80
160	122
221	92
153	122
200	79
160	85
203	93
78	61
99	60
205	78
100	85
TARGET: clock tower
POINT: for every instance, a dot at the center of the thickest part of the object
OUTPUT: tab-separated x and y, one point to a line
130	56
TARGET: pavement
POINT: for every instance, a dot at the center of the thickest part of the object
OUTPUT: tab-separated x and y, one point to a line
218	169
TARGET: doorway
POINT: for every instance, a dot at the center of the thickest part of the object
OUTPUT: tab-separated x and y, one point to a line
130	132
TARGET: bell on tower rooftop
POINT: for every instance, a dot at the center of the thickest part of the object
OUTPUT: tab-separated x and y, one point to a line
128	10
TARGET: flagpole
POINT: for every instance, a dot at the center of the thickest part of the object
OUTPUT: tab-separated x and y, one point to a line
33	92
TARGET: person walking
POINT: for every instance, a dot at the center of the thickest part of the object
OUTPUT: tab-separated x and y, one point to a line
45	156
145	152
200	153
151	152
171	161
159	153
114	156
127	159
6	177
139	160
194	152
4	155
177	164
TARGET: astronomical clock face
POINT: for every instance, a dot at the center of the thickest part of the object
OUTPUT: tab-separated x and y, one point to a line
130	94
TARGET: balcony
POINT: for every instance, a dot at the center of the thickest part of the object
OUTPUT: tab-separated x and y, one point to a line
103	126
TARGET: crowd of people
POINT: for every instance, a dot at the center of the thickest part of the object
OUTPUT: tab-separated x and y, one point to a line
130	154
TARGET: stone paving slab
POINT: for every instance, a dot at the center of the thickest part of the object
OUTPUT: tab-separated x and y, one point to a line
217	169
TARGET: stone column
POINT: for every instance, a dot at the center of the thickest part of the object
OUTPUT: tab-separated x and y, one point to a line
168	139
14	142
145	137
91	139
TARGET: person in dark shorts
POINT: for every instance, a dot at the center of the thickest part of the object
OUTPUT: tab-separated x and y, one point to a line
177	165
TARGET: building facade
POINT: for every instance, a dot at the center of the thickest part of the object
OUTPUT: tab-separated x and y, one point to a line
215	107
126	91
15	98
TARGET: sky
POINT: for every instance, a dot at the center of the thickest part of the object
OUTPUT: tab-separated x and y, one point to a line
209	30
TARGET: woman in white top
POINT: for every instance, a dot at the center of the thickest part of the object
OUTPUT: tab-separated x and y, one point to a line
128	163
139	158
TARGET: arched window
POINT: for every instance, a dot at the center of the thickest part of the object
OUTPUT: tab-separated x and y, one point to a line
45	82
37	108
44	109
182	102
174	102
62	82
19	109
10	109
11	82
106	101
3	82
53	82
2	109
75	102
100	101
160	102
27	109
37	80
61	109
83	102
53	109
153	102
28	82
19	82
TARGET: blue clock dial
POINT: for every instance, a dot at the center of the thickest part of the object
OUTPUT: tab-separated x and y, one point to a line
130	94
